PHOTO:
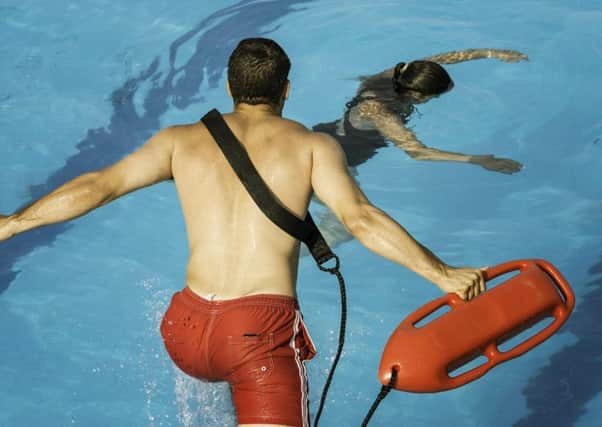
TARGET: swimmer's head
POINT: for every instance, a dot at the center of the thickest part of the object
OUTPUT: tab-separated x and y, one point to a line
421	80
258	72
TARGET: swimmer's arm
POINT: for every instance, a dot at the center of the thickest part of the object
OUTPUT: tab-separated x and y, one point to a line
148	165
392	127
376	230
456	56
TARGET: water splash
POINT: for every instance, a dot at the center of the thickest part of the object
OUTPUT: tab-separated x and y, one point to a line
202	403
198	403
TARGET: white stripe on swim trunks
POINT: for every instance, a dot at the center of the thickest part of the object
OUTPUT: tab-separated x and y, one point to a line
302	371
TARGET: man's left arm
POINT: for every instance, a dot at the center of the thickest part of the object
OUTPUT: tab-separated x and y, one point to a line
146	166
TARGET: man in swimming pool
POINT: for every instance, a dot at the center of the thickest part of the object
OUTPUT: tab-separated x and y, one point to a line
237	319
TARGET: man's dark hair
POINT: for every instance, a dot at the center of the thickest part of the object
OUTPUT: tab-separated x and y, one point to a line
258	71
425	77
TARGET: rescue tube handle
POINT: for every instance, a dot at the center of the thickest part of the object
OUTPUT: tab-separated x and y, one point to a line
559	281
450	300
560	314
491	273
495	357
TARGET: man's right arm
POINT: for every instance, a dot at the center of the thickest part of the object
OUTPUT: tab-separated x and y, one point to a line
148	165
375	229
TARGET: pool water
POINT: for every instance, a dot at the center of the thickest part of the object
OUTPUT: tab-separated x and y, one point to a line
84	83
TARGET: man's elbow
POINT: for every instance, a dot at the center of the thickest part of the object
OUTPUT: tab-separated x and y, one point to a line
358	221
104	185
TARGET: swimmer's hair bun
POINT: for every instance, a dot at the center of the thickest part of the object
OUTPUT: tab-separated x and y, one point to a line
398	70
425	77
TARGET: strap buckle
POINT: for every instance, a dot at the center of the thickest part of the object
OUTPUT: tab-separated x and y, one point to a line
327	258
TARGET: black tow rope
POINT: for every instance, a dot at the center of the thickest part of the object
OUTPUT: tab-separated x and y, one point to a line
343	323
384	390
305	230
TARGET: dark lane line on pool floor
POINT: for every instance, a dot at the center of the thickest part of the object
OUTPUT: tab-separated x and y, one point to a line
557	395
127	130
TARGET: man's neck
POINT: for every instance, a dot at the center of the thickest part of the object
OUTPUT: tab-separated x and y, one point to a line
257	110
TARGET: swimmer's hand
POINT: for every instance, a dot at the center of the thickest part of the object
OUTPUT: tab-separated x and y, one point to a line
467	283
507	55
6	228
496	164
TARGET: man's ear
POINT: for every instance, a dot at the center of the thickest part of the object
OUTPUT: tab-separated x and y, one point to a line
228	89
287	91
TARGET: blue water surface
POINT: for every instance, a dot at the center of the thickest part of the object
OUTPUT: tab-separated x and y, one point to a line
84	83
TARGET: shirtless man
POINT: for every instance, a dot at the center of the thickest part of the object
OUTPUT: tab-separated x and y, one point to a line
237	319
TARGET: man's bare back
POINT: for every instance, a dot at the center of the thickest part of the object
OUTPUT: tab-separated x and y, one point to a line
235	250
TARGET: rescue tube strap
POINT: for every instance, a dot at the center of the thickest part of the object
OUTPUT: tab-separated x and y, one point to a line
303	230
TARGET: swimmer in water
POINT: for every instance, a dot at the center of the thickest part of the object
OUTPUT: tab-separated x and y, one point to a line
380	110
384	102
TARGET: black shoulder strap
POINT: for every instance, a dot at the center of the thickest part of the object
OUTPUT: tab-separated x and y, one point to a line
305	230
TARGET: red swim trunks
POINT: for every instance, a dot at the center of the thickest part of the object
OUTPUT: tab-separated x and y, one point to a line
258	344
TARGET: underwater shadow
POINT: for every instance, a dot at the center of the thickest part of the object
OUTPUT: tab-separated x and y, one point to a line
557	396
177	87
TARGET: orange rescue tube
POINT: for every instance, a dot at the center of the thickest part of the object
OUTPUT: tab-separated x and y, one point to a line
425	355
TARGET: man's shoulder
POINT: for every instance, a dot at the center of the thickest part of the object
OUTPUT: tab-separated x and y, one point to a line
183	132
306	133
296	131
293	125
183	127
